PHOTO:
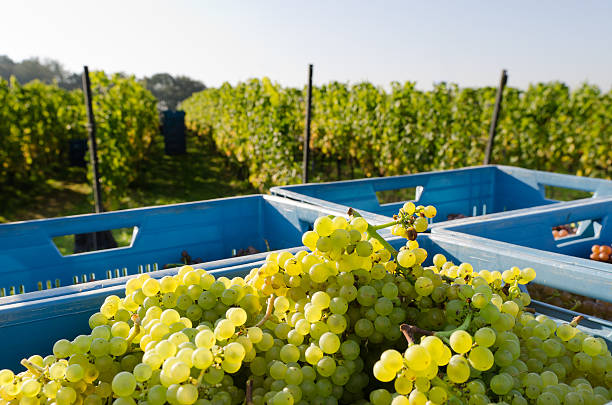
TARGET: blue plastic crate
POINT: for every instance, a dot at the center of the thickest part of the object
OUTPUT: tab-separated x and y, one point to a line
210	229
526	235
33	326
471	191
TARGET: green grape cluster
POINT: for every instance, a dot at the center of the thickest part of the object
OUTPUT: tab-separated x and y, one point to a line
490	349
412	219
349	320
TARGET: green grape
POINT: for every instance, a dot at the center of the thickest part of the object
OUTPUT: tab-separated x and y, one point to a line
224	329
434	346
202	358
117	346
490	313
320	299
417	397
258	366
552	347
238	316
74	372
541	331
7	376
485	337
423	286
547	398
309	239
383	306
367	295
295	338
213	375
481	358
187	394
349	349
364	328
439	260
565	332
142	372
582	361
289	353
501	384
417	357
326	366
503	322
337	323
390	291
359	224
230	367
150	287
63	348
323	226
420	224
383	372
294	375
438	395
479	300
65	395
591	346
458	369
380	397
392	359
461	341
124	384
234	352
82	343
99	347
573	398
30	388
313	354
406	258
364	248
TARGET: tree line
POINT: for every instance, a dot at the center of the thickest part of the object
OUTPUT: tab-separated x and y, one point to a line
169	90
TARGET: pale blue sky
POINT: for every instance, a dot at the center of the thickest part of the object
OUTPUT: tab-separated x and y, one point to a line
466	42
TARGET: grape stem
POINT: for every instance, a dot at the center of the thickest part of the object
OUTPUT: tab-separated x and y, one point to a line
371	231
410	330
136	330
463	326
388	224
576	320
249	392
268	311
198	382
32	367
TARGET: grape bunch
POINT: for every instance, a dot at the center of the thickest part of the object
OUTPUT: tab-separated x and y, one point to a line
349	320
602	253
562	231
574	302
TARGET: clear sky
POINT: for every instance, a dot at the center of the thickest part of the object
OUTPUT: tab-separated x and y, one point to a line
466	42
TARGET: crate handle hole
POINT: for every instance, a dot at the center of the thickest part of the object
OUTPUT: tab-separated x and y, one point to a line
399	195
575	232
565	194
109	239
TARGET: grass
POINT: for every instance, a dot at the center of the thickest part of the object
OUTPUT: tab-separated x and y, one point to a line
194	176
65	244
565	194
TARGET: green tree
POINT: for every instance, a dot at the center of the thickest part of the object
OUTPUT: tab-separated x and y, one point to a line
170	91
